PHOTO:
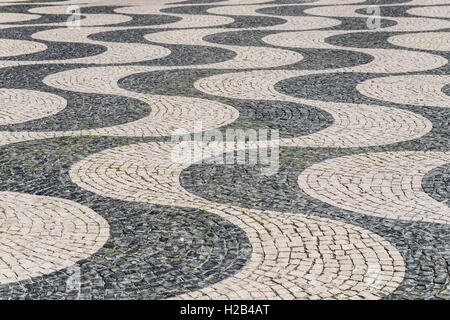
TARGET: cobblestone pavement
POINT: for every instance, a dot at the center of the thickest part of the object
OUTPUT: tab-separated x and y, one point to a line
118	179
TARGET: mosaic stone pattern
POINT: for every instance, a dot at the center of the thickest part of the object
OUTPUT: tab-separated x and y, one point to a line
95	97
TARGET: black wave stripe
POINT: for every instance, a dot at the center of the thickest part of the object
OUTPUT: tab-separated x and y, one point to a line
379	2
185	55
286	10
347	23
46	18
197	2
167	82
61	51
240	38
189	9
87	111
322	59
137	19
22	32
254	22
436	184
125	36
100	9
375	40
398	11
334	87
154	252
291	119
149	20
356	23
446	89
55	50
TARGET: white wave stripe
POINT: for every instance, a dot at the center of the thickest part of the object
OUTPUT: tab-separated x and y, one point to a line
40	235
418	90
436	41
88	19
19	105
13	47
383	184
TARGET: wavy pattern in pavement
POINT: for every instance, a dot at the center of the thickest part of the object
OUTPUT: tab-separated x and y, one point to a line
108	198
